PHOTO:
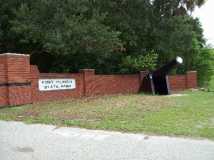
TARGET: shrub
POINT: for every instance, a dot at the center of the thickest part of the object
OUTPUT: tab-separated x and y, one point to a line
138	63
204	65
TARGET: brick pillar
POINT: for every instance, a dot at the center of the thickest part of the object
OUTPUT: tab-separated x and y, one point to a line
191	79
3	81
88	75
15	85
34	83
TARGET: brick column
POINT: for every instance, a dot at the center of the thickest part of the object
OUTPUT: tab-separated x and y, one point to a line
34	83
88	75
3	81
191	79
15	85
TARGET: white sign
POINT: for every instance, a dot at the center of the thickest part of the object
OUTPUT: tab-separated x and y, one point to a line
56	84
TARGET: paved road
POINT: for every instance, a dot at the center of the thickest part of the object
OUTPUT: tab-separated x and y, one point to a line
19	141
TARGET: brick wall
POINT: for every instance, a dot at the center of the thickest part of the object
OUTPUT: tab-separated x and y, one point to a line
3	81
182	82
3	96
177	82
109	84
191	79
19	82
15	84
38	96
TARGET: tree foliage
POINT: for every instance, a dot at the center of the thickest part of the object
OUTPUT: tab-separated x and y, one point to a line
139	63
58	28
110	36
205	66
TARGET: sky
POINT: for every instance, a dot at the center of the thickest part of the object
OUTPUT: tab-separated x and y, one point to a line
206	16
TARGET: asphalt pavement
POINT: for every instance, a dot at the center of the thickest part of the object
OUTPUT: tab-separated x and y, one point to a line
19	141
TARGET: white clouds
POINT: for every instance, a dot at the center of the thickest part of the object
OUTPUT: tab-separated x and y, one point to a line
206	16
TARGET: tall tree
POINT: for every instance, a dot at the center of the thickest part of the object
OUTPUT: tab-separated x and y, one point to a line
66	28
7	39
66	35
191	4
176	7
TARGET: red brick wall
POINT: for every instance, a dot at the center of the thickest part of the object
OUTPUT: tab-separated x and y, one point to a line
177	82
3	96
87	84
191	78
182	82
3	69
56	95
3	81
18	68
19	82
19	95
113	84
15	82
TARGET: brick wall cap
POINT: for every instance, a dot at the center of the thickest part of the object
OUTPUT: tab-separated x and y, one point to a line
146	71
87	70
14	54
191	71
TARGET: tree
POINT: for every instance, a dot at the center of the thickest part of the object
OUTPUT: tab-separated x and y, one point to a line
67	35
178	36
204	65
7	39
58	28
191	4
139	63
176	7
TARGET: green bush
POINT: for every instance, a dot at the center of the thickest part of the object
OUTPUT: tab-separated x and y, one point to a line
204	65
211	82
139	63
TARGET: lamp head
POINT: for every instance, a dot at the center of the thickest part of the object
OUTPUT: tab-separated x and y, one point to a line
179	60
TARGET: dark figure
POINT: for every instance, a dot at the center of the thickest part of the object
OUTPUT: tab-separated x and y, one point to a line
158	80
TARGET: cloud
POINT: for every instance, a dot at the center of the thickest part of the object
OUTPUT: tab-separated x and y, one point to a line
206	16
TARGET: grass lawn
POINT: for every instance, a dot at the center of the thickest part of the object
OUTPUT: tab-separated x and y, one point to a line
211	84
188	115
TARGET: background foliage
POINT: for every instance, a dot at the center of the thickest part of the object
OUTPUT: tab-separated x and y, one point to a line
122	36
211	82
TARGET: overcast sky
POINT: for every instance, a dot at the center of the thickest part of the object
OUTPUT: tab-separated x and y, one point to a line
206	16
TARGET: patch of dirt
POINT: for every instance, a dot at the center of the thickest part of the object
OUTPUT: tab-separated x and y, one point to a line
24	149
200	125
211	122
146	137
71	116
153	103
177	95
31	113
28	113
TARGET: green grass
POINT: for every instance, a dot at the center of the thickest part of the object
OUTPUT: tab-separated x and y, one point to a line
211	84
190	115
